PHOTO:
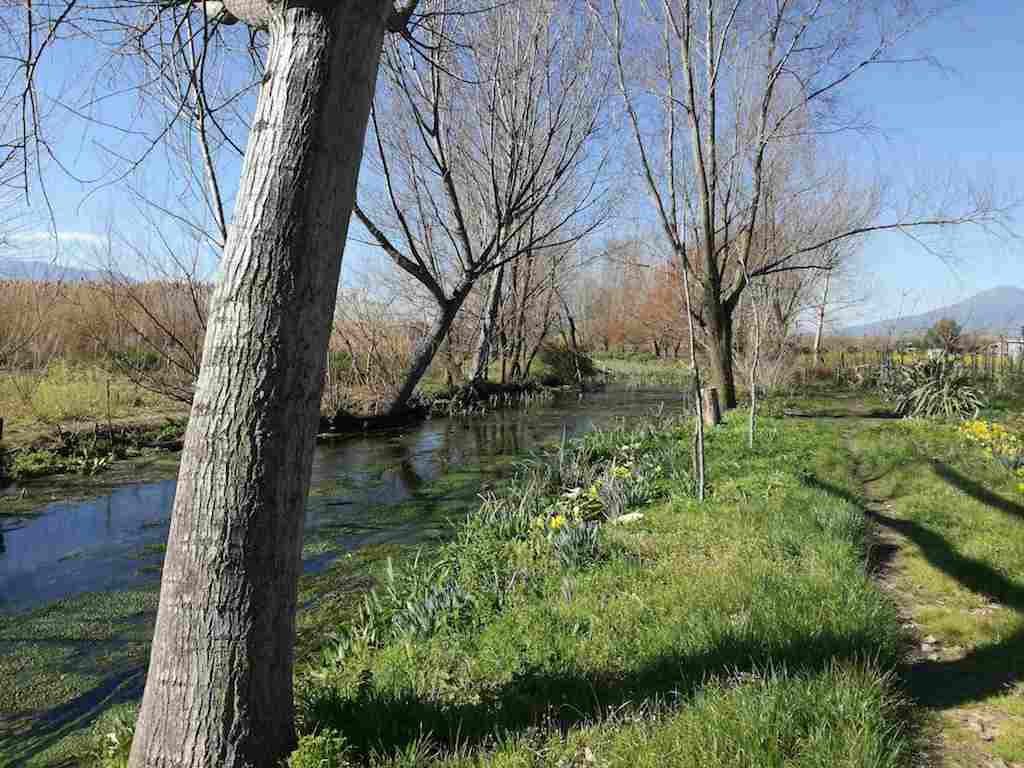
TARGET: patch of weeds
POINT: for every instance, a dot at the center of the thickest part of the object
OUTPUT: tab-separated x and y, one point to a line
171	431
111	736
149	550
29	464
325	749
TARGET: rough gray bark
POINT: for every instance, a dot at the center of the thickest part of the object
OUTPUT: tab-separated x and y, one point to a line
719	331
487	327
219	690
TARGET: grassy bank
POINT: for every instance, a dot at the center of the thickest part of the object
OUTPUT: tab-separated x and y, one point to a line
592	614
645	372
742	632
32	402
950	516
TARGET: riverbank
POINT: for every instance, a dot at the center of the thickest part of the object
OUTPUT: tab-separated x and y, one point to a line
69	453
598	615
591	613
590	609
373	496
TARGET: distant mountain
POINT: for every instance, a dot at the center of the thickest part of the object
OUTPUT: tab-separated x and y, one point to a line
21	269
999	310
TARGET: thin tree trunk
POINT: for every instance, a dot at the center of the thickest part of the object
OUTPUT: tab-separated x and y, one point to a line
504	363
753	372
698	435
425	350
219	689
487	326
821	320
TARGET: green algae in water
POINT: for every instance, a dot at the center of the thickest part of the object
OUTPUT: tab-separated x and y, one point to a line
149	550
102	642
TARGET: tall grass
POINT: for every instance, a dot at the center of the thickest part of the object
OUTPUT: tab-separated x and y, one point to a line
64	392
741	632
646	373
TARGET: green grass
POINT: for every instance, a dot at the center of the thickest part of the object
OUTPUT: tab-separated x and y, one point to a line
746	631
741	632
645	372
964	518
958	573
33	400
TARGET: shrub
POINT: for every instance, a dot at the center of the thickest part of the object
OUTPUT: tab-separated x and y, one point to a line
1004	445
29	464
566	364
934	388
172	430
135	359
821	373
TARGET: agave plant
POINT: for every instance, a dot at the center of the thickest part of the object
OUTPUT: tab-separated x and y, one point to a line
935	388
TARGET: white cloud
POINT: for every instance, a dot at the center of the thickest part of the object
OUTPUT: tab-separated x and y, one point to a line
84	238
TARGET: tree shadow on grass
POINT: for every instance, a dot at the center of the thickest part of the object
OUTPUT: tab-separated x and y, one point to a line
47	727
987	670
373	720
977	491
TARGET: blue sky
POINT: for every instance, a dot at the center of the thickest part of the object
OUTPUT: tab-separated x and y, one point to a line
965	118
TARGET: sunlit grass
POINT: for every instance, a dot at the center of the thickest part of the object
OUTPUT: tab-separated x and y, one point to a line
64	392
740	632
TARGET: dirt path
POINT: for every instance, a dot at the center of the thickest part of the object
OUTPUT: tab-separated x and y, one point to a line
936	669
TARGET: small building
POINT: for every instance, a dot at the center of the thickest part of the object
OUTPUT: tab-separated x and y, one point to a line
1013	349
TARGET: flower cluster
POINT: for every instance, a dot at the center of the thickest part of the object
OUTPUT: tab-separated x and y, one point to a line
573	506
999	442
991	435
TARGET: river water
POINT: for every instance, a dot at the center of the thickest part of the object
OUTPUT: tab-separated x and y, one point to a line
394	487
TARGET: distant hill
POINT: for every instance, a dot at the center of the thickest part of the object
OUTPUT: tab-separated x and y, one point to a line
999	310
21	269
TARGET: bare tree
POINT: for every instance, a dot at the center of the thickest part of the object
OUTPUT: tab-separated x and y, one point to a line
729	90
219	688
486	153
530	309
158	296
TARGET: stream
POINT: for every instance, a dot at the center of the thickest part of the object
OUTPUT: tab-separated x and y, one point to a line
79	579
375	489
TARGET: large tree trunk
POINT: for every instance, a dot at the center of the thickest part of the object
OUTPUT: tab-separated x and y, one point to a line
719	329
487	325
425	351
219	689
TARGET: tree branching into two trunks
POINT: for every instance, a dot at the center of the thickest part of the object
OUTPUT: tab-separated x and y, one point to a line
487	153
730	86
